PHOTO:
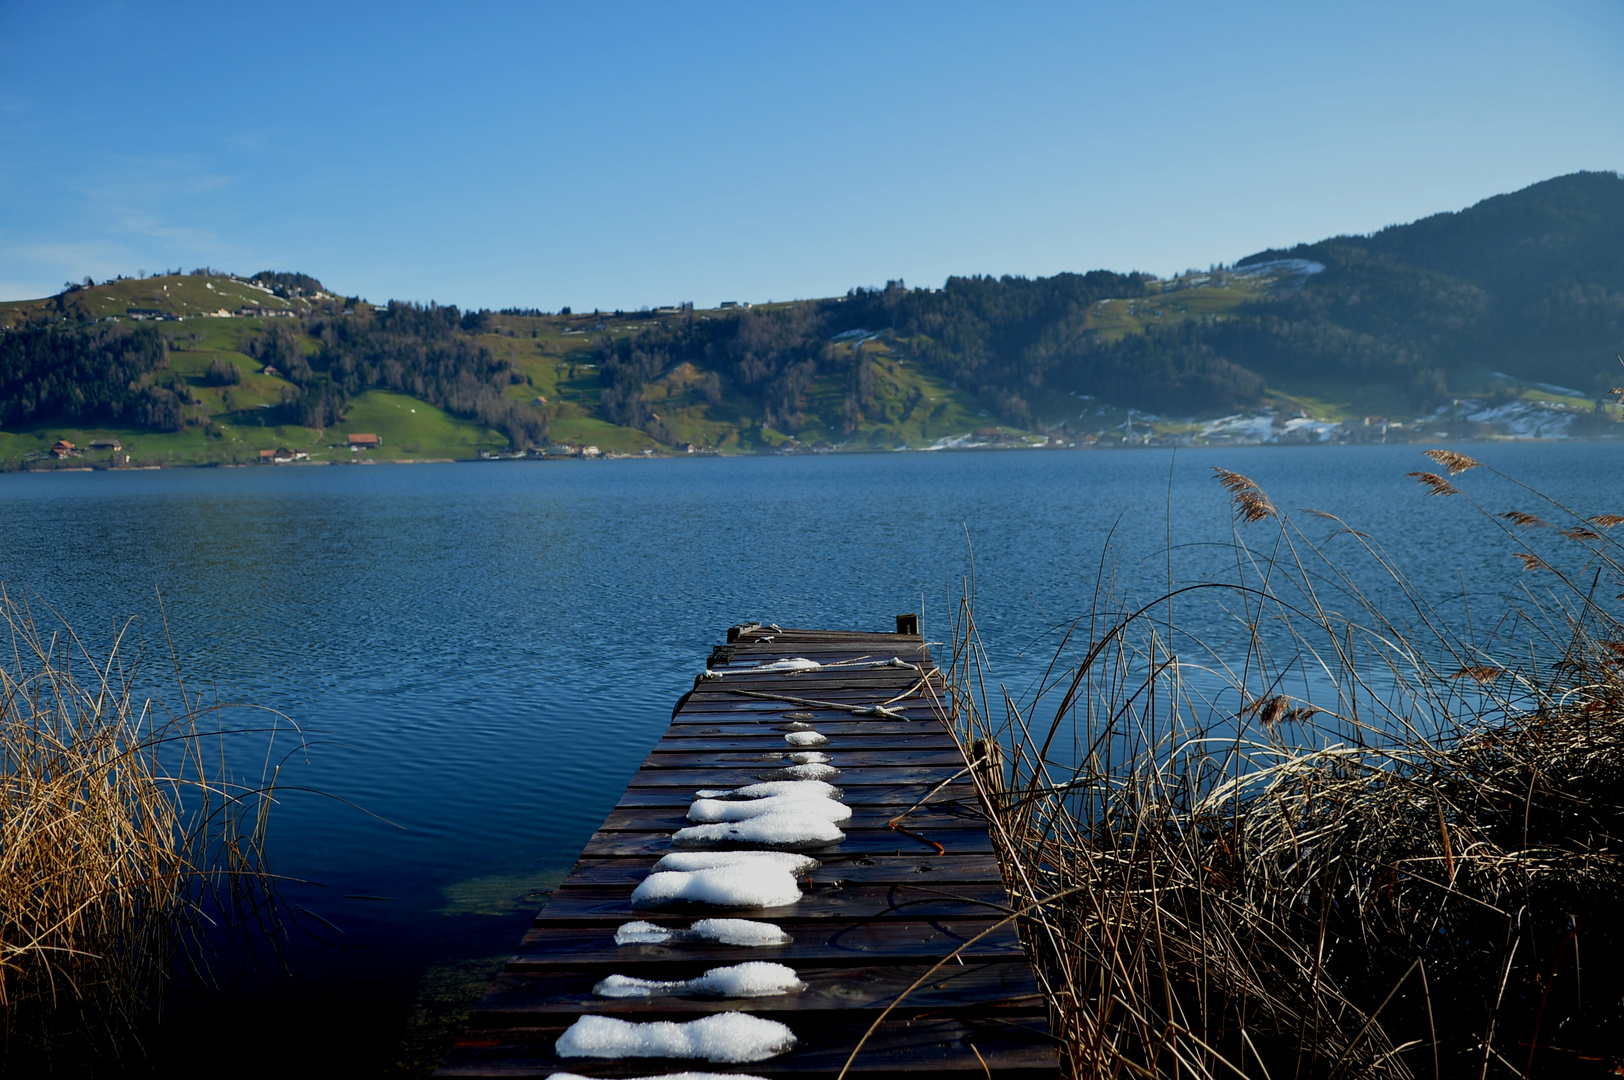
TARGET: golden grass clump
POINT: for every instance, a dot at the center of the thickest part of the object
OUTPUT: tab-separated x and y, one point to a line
122	833
1351	838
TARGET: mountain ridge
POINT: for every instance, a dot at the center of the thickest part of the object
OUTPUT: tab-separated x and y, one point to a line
1403	320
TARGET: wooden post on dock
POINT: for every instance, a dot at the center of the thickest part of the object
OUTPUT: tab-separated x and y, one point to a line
987	762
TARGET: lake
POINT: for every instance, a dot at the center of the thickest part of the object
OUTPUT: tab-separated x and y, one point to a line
481	654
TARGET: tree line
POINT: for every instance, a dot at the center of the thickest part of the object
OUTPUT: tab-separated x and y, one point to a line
97	374
425	351
118	374
1003	339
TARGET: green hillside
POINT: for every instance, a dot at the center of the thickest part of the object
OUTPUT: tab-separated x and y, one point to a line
545	366
181	295
1501	319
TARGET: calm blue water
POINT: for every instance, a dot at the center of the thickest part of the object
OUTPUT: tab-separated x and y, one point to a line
481	654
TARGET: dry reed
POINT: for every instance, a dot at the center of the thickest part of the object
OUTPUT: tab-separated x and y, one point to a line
126	844
1358	837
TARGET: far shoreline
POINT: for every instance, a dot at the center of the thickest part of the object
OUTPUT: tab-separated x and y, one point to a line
33	470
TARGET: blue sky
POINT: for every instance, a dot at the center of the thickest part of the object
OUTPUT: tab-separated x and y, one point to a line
615	155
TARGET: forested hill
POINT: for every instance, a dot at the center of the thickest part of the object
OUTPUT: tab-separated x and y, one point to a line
1528	285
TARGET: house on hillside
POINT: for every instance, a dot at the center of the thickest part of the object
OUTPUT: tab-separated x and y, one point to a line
64	449
266	457
365	442
106	444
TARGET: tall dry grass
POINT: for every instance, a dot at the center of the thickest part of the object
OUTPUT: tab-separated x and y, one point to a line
127	843
1356	834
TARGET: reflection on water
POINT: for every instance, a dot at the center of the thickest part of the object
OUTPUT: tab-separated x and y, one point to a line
481	655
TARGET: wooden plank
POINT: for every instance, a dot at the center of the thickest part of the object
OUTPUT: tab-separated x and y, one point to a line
737	775
1013	1049
827	943
927	817
964	900
871	639
866	870
843	695
959	840
814	684
822	681
981	986
832	663
900	796
832	724
825	652
823	632
742	711
764	741
841	758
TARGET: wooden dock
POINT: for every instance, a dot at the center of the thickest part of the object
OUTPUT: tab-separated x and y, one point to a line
885	905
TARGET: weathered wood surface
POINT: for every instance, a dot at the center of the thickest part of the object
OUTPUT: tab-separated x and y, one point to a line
901	796
826	943
906	900
979	986
776	758
882	869
1013	1048
885	906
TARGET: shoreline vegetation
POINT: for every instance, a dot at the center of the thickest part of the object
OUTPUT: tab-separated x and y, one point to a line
1504	320
575	454
132	858
1359	835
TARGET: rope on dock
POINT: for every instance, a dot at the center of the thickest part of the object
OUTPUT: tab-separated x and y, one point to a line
872	710
879	711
